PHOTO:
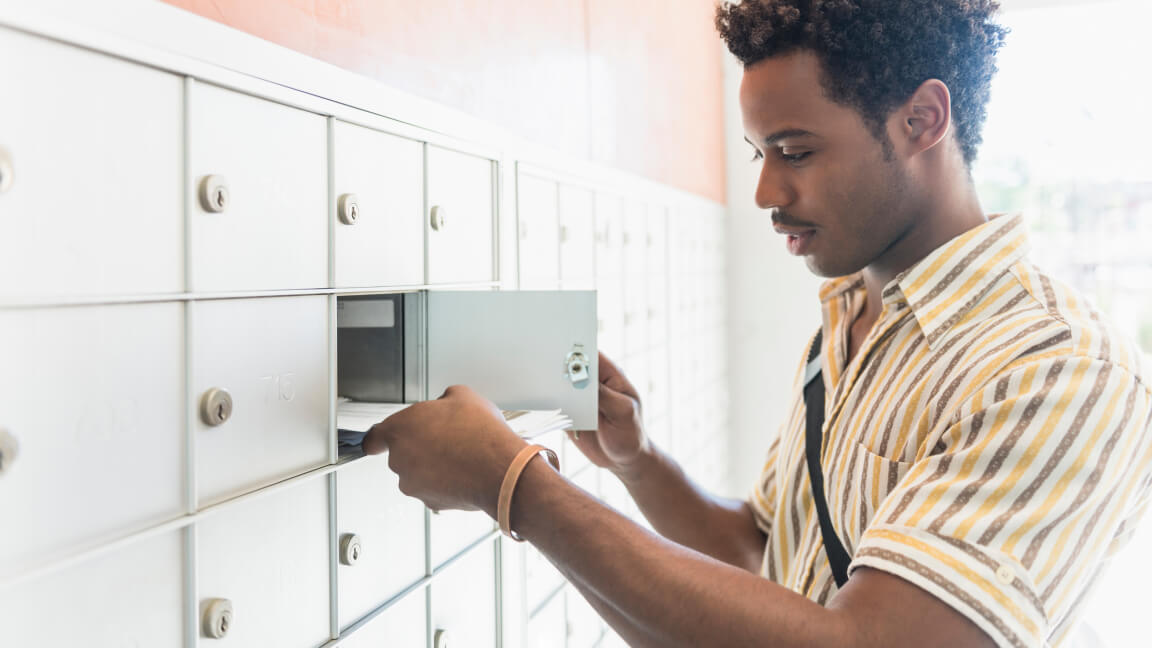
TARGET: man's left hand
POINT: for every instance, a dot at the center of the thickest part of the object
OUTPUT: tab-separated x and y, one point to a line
451	453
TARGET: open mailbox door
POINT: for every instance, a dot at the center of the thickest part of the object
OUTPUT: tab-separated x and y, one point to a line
520	349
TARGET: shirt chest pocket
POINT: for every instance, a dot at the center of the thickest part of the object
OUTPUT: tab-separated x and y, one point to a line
857	489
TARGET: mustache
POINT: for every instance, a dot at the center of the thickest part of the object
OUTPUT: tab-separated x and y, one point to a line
784	219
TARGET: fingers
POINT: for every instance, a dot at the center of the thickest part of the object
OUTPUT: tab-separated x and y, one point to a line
611	375
375	441
614	405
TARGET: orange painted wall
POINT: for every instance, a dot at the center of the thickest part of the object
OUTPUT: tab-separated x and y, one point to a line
634	84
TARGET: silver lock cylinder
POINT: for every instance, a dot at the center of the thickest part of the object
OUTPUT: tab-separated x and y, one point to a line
350	549
214	196
217	618
348	208
440	639
439	217
9	449
215	406
7	171
576	366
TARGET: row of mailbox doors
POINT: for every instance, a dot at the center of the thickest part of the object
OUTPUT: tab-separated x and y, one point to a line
94	399
111	134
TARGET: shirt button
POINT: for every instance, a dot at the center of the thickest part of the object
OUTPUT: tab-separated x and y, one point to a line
1005	574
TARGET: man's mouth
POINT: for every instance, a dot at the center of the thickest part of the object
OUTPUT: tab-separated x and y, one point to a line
798	239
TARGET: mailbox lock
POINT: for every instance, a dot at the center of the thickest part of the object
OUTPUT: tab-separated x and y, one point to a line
440	639
439	218
6	171
9	448
350	549
214	193
348	208
576	366
216	406
217	618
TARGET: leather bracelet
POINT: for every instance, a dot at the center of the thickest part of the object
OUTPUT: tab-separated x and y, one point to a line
508	486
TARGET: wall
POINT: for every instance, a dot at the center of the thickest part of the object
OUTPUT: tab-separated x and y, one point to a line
635	85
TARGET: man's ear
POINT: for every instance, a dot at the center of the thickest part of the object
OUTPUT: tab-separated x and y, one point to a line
925	119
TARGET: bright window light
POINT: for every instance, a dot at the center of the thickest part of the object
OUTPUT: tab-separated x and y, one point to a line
1069	143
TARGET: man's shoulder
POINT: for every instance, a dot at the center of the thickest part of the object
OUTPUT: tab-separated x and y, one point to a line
1027	317
1083	331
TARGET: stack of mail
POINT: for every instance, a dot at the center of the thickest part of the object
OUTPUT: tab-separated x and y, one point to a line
355	418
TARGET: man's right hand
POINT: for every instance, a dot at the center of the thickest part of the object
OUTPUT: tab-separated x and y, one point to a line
620	443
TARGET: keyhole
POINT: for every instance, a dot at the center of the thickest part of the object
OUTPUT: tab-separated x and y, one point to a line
220	197
577	368
224	624
354	212
355	553
220	411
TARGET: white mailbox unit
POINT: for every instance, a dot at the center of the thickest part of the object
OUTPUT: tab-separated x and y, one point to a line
186	214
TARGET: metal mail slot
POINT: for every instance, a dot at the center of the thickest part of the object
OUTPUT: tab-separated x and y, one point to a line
520	349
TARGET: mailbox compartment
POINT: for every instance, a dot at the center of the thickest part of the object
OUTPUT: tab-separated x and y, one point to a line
520	349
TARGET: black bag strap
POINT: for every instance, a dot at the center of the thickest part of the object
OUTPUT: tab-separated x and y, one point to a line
814	441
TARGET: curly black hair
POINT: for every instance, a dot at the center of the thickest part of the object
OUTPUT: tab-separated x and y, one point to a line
876	53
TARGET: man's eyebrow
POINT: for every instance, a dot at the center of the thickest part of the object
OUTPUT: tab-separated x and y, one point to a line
772	139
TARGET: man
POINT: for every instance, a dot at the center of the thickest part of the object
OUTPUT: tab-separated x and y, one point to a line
986	444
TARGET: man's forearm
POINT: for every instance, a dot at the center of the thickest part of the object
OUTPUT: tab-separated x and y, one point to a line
685	514
674	596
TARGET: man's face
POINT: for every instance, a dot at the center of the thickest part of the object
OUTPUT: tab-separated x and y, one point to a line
825	177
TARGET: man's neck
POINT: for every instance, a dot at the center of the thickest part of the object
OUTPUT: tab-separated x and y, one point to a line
957	213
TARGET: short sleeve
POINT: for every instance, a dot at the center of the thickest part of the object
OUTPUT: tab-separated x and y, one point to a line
762	499
1007	516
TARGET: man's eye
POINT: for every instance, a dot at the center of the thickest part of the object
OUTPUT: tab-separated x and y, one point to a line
794	158
757	156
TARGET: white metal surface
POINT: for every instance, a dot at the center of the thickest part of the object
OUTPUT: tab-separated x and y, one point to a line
464	600
548	628
269	557
511	347
273	233
272	355
461	185
403	625
451	532
131	597
386	245
578	238
95	150
391	529
93	397
537	207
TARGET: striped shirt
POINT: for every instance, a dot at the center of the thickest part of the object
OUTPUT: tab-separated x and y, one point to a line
990	442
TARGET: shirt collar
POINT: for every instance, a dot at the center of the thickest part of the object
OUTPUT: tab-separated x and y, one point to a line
943	286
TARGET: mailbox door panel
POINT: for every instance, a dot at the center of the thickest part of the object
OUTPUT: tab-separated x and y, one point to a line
269	558
403	625
390	527
271	355
460	241
129	597
92	398
464	600
273	230
384	246
96	153
537	204
577	238
513	348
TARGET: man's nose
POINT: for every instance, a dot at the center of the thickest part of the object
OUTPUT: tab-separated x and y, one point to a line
772	191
